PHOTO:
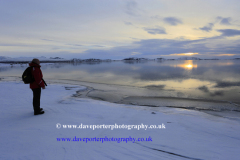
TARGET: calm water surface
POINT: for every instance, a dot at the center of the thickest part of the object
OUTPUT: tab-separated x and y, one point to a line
208	79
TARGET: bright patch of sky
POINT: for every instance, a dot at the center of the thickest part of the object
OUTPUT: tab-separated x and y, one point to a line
120	28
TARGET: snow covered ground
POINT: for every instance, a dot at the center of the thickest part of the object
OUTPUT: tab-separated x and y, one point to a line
187	134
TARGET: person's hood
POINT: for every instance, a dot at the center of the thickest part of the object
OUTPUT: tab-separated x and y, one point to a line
34	65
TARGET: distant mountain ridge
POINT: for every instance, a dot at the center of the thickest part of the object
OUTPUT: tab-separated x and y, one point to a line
29	59
189	58
5	59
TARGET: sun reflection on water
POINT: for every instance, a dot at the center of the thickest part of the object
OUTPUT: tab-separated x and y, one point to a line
188	65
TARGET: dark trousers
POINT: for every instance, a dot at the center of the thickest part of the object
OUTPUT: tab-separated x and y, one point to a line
36	99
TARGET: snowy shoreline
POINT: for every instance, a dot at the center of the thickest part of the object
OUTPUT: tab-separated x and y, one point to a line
133	96
188	134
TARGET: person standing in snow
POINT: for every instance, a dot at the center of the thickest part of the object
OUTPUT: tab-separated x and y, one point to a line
37	85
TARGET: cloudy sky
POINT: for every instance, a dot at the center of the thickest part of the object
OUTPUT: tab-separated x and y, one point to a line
119	29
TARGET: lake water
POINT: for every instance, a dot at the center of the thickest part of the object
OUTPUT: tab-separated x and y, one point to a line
214	80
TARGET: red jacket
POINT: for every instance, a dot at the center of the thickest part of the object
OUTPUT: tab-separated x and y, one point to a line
37	74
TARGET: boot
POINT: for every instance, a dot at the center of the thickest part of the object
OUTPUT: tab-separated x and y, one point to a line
39	112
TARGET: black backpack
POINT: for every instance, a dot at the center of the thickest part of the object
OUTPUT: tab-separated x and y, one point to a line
27	76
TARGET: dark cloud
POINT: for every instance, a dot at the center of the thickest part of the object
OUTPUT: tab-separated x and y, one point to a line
224	21
217	93
172	21
207	28
158	30
229	32
213	94
226	84
159	47
204	89
157	87
221	20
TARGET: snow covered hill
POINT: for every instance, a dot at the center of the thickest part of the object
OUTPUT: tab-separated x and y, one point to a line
188	58
135	59
2	58
29	59
185	135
